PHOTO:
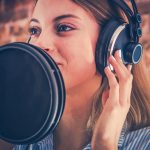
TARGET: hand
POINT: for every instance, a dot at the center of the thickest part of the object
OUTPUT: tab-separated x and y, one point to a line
116	104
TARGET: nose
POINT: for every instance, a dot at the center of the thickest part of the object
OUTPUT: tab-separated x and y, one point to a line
44	42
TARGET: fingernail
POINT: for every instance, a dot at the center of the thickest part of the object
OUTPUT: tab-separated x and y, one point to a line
111	67
119	53
113	57
130	67
107	68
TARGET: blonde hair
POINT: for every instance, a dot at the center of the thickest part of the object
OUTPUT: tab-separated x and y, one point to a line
139	112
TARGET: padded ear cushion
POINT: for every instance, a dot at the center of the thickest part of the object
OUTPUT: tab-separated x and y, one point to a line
104	40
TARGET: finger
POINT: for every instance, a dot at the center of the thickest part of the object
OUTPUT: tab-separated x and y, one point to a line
124	77
119	60
121	70
126	85
113	84
125	90
118	69
129	67
130	90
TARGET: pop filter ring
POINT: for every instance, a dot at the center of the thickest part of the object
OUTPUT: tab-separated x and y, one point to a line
58	91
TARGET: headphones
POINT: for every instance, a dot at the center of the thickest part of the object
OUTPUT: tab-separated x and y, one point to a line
118	34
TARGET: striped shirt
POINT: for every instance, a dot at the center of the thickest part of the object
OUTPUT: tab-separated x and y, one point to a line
129	140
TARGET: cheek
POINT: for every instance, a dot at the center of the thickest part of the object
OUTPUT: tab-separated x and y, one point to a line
80	65
77	74
78	48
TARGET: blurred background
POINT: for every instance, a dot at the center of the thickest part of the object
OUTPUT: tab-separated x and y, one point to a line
15	16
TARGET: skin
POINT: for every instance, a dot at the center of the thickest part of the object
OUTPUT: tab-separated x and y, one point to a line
68	34
116	103
73	49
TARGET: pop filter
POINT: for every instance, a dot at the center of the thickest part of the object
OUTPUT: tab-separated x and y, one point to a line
32	93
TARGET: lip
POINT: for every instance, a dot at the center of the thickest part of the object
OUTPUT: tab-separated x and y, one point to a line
58	63
57	60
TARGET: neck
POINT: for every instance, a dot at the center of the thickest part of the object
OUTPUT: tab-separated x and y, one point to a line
71	130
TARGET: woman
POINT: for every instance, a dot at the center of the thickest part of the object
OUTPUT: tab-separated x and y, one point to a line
68	32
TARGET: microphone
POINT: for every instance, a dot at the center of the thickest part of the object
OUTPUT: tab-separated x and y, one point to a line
32	93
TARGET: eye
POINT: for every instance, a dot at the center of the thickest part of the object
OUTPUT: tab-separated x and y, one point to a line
34	31
64	28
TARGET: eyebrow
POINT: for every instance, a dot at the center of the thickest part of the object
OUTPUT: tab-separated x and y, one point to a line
65	16
57	18
34	20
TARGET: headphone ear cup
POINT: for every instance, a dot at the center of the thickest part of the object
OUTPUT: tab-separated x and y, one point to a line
114	36
133	53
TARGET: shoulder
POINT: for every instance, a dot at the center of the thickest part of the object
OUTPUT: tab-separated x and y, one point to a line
133	140
138	139
45	144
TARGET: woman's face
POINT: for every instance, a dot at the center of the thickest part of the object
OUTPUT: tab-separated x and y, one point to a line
68	34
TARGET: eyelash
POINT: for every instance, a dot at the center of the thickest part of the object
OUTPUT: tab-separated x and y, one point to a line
64	28
60	28
34	31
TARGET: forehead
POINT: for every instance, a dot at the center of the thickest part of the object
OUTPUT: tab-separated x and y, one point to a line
53	8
